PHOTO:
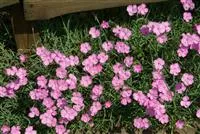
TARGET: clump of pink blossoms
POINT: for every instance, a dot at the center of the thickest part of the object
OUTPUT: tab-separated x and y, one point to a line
94	32
22	58
107	46
85	47
180	87
153	101
21	80
141	123
134	9
97	90
187	79
104	24
185	102
126	95
175	69
122	47
188	5
5	129
160	29
93	64
122	33
180	124
188	42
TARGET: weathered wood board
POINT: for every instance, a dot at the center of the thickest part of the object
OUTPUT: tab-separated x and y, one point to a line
24	33
4	3
46	9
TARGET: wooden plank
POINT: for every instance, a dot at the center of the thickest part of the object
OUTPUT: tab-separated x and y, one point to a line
46	9
24	32
4	3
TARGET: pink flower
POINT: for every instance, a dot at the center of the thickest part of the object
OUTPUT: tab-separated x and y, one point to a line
108	104
33	112
132	9
55	94
187	16
117	82
38	94
60	129
187	79
48	102
162	39
96	106
61	103
187	4
182	52
41	81
105	24
159	63
77	99
142	9
85	47
29	130
69	113
95	33
45	55
48	120
197	27
175	69
97	90
22	58
145	30
137	68
121	47
180	124
198	113
185	102
140	97
107	46
126	96
164	118
86	81
5	129
61	72
15	130
128	61
85	118
102	57
122	33
141	123
180	88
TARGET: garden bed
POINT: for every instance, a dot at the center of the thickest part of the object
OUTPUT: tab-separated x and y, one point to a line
134	60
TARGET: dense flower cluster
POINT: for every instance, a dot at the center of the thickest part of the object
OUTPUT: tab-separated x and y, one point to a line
93	63
159	29
21	80
5	129
96	106
134	9
153	101
188	42
188	5
141	123
122	33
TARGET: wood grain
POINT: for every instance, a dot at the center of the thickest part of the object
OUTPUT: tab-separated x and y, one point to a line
4	3
46	9
24	32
